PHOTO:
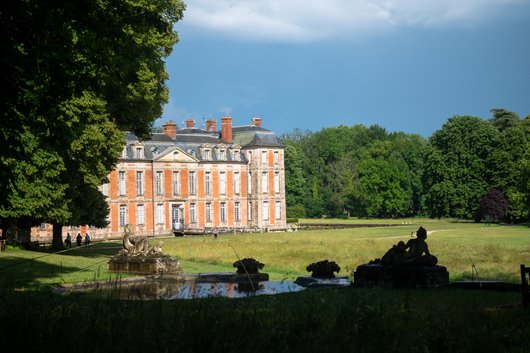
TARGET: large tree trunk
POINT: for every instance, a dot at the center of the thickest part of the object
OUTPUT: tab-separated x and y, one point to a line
57	241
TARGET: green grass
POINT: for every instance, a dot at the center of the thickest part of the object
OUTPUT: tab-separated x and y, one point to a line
496	250
323	320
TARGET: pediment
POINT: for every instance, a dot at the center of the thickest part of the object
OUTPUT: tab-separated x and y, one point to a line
175	154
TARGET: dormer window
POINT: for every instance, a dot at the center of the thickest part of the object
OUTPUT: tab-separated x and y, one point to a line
236	155
222	155
191	152
138	152
155	151
124	152
207	155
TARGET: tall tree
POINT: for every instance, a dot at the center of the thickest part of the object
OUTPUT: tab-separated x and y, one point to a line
76	73
456	168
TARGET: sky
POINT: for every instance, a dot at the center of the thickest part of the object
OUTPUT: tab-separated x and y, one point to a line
406	65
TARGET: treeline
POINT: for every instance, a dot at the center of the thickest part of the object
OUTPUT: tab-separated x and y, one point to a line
470	169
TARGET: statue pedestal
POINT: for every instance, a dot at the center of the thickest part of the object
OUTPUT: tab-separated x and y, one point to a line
400	276
146	265
314	282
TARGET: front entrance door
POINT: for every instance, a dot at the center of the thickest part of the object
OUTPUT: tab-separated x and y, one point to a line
177	217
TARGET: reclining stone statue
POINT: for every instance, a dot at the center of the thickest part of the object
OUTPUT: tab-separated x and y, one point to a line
418	252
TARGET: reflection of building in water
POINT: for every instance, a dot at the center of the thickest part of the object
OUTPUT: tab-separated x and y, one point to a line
192	180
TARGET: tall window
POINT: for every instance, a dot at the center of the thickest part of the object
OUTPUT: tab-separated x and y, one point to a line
207	155
250	156
265	210
264	156
192	213
278	210
159	183
123	215
159	213
175	183
208	212
276	157
237	212
250	211
237	183
191	181
249	183
277	182
207	183
140	214
105	189
139	183
264	182
223	211
122	186
222	183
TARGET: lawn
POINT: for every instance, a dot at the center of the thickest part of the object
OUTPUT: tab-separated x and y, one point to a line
495	250
319	320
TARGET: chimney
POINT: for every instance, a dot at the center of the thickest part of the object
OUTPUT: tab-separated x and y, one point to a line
226	129
256	121
190	123
211	125
170	129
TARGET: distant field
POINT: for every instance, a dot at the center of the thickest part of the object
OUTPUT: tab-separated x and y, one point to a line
496	250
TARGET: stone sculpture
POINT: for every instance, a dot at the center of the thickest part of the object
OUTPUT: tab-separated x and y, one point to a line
137	257
405	264
248	265
323	269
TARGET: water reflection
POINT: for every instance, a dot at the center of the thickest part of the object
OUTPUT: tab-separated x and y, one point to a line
170	290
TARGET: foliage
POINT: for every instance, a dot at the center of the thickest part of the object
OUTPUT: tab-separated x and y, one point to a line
493	206
323	269
456	168
76	74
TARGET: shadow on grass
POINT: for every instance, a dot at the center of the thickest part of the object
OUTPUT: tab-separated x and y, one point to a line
95	250
27	273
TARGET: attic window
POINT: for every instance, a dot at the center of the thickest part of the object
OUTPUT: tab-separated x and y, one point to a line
207	155
192	152
138	152
235	155
175	156
222	155
155	151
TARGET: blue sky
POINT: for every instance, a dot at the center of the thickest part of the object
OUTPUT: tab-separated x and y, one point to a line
406	65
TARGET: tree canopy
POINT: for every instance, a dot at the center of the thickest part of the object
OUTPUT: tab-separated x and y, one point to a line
76	75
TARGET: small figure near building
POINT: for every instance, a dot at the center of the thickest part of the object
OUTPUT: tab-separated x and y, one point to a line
87	240
79	239
215	232
68	240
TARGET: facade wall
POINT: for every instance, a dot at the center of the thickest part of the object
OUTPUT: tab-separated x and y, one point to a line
222	201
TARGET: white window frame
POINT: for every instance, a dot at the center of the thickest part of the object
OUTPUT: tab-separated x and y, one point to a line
140	214
278	210
122	183
159	182
249	216
265	210
122	219
222	213
160	213
140	183
193	213
237	183
192	183
276	157
208	212
277	182
207	183
176	183
237	212
264	156
249	183
265	182
222	183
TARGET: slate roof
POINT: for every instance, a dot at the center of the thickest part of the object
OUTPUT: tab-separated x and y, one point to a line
191	140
